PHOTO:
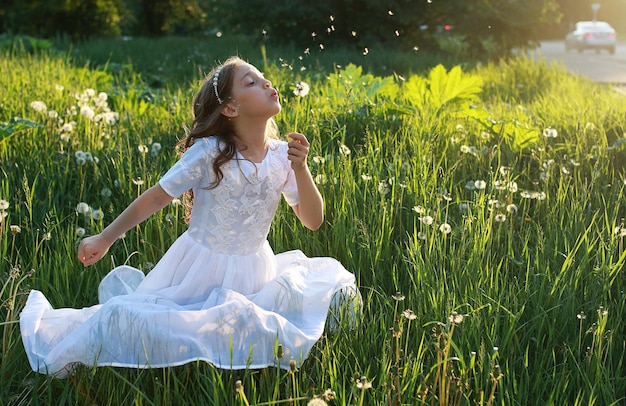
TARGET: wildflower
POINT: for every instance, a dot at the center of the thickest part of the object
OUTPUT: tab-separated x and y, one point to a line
39	106
83	208
409	315
398	297
68	127
499	185
142	149
344	150
80	232
419	209
511	208
15	229
500	218
53	114
4	205
138	181
619	231
383	187
329	395
550	132
480	184
366	177
176	202
426	220
581	316
513	186
363	384
445	228
602	311
301	89
87	112
455	318
155	149
97	214
46	237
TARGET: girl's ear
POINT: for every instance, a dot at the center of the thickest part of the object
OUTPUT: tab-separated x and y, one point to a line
230	110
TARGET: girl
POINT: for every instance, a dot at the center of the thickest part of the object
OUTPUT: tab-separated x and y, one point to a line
219	294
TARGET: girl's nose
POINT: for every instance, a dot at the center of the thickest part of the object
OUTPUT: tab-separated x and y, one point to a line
268	84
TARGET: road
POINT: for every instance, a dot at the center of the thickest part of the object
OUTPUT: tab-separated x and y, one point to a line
599	67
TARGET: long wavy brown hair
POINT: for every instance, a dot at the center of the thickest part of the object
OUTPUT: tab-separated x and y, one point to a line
208	121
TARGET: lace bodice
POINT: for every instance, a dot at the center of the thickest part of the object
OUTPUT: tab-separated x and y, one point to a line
235	217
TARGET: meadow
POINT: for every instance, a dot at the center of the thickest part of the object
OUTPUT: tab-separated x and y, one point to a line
480	206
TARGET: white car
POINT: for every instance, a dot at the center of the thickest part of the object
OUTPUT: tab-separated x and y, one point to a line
596	35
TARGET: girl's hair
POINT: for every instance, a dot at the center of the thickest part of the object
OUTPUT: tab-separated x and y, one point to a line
208	120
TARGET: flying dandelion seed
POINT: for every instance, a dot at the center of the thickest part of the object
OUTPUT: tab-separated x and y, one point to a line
321	47
353	33
314	34
397	33
390	12
366	51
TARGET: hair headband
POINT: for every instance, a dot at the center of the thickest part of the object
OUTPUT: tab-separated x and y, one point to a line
216	76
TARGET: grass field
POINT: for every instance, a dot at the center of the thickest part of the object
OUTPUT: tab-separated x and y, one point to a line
480	206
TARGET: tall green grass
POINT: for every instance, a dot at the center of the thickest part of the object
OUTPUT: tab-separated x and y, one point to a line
481	211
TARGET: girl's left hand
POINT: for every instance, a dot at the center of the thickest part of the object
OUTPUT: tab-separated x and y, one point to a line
298	150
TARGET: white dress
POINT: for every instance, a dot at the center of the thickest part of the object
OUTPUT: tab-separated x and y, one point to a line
219	294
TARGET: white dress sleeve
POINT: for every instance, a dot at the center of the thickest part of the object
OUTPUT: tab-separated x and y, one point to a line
190	170
290	190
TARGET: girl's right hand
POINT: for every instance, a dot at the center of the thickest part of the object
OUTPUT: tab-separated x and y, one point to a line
92	249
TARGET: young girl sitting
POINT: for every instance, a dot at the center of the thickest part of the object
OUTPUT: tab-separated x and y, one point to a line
219	294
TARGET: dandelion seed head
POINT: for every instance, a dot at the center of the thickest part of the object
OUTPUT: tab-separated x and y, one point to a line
383	187
97	215
344	149
581	316
511	208
419	209
550	133
4	204
500	218
421	235
445	228
15	229
426	220
480	184
455	318
398	296
320	179
301	89
39	106
80	232
409	315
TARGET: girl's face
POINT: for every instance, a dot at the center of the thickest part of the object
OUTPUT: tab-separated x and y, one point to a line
252	94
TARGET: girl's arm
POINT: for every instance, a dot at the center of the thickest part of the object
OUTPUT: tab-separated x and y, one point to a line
93	248
310	210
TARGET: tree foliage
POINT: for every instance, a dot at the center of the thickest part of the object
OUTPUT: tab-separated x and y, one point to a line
472	28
